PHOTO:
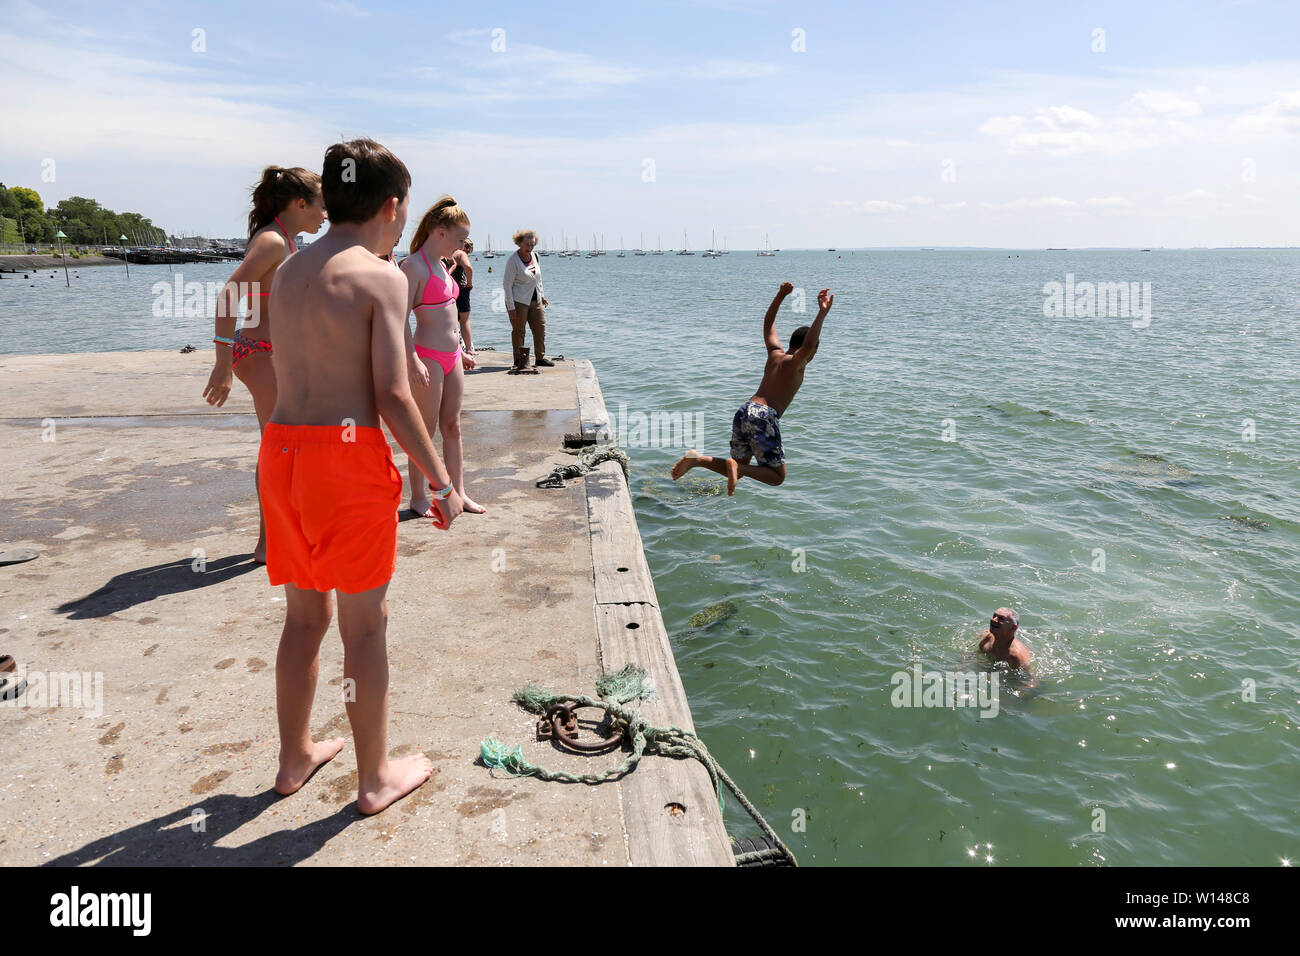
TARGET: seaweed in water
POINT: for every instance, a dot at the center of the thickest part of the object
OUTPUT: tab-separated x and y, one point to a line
712	614
1242	521
1151	468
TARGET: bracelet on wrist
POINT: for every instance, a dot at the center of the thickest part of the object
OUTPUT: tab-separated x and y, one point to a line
442	495
222	340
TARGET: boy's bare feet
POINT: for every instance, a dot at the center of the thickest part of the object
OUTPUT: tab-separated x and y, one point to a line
259	551
686	463
422	507
295	770
400	778
733	475
473	507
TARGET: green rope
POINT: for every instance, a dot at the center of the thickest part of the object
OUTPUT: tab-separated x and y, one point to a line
616	690
588	458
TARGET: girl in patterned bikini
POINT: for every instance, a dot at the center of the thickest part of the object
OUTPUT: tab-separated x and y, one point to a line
285	203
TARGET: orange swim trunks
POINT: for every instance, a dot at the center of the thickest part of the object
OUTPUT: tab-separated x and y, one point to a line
330	496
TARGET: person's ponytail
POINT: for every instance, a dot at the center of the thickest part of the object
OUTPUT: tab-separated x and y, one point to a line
444	212
278	188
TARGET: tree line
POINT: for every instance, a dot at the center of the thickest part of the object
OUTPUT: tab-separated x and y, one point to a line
84	221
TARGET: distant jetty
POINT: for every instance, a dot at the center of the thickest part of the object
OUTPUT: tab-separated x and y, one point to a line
155	257
114	256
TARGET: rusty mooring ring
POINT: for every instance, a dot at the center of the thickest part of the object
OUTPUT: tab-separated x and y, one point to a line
566	713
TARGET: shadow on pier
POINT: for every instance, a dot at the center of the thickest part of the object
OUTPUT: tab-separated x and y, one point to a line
145	584
189	836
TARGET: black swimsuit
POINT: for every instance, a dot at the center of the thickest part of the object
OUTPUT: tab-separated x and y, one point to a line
462	300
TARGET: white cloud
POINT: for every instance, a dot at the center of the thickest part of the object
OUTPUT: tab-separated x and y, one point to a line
872	207
1110	202
1193	197
1055	130
1279	119
1164	103
1041	202
1070	118
732	70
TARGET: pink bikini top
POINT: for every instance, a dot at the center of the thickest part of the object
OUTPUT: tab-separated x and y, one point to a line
446	289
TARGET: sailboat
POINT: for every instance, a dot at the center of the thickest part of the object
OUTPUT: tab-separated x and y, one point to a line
767	250
640	250
660	250
713	246
621	253
489	254
685	251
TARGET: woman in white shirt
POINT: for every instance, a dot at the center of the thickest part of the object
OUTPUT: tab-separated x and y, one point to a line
525	299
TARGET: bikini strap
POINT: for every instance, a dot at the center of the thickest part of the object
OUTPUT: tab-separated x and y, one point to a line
292	247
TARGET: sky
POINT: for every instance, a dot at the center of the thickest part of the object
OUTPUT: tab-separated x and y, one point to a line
1001	124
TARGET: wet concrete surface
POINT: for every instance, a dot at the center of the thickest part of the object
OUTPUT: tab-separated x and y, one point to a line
142	507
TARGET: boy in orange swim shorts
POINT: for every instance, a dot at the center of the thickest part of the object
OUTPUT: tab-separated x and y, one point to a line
329	487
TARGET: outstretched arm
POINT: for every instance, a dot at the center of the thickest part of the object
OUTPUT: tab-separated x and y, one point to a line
769	320
805	352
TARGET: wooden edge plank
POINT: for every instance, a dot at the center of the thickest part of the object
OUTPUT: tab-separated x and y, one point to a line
695	836
618	560
670	810
592	415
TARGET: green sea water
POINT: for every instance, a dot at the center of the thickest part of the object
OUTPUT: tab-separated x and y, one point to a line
1132	491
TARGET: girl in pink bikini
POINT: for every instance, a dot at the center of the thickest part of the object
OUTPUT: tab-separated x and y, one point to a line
434	352
285	203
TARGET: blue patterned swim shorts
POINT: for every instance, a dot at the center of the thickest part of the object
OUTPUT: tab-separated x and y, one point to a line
754	431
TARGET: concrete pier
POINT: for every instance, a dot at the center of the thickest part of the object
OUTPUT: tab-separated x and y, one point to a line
140	499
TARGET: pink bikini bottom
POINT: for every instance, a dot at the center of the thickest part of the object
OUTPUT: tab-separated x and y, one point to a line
447	360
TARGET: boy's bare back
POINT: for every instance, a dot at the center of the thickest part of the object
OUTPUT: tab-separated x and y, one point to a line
784	371
782	377
339	316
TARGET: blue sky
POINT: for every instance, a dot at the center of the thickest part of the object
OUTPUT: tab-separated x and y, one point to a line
996	124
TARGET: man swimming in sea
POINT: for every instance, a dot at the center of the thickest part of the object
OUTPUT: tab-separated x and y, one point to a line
754	430
1000	641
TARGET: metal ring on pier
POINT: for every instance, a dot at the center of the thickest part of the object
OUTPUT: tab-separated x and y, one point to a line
566	713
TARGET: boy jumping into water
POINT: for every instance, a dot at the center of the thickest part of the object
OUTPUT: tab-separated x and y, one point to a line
330	490
754	430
